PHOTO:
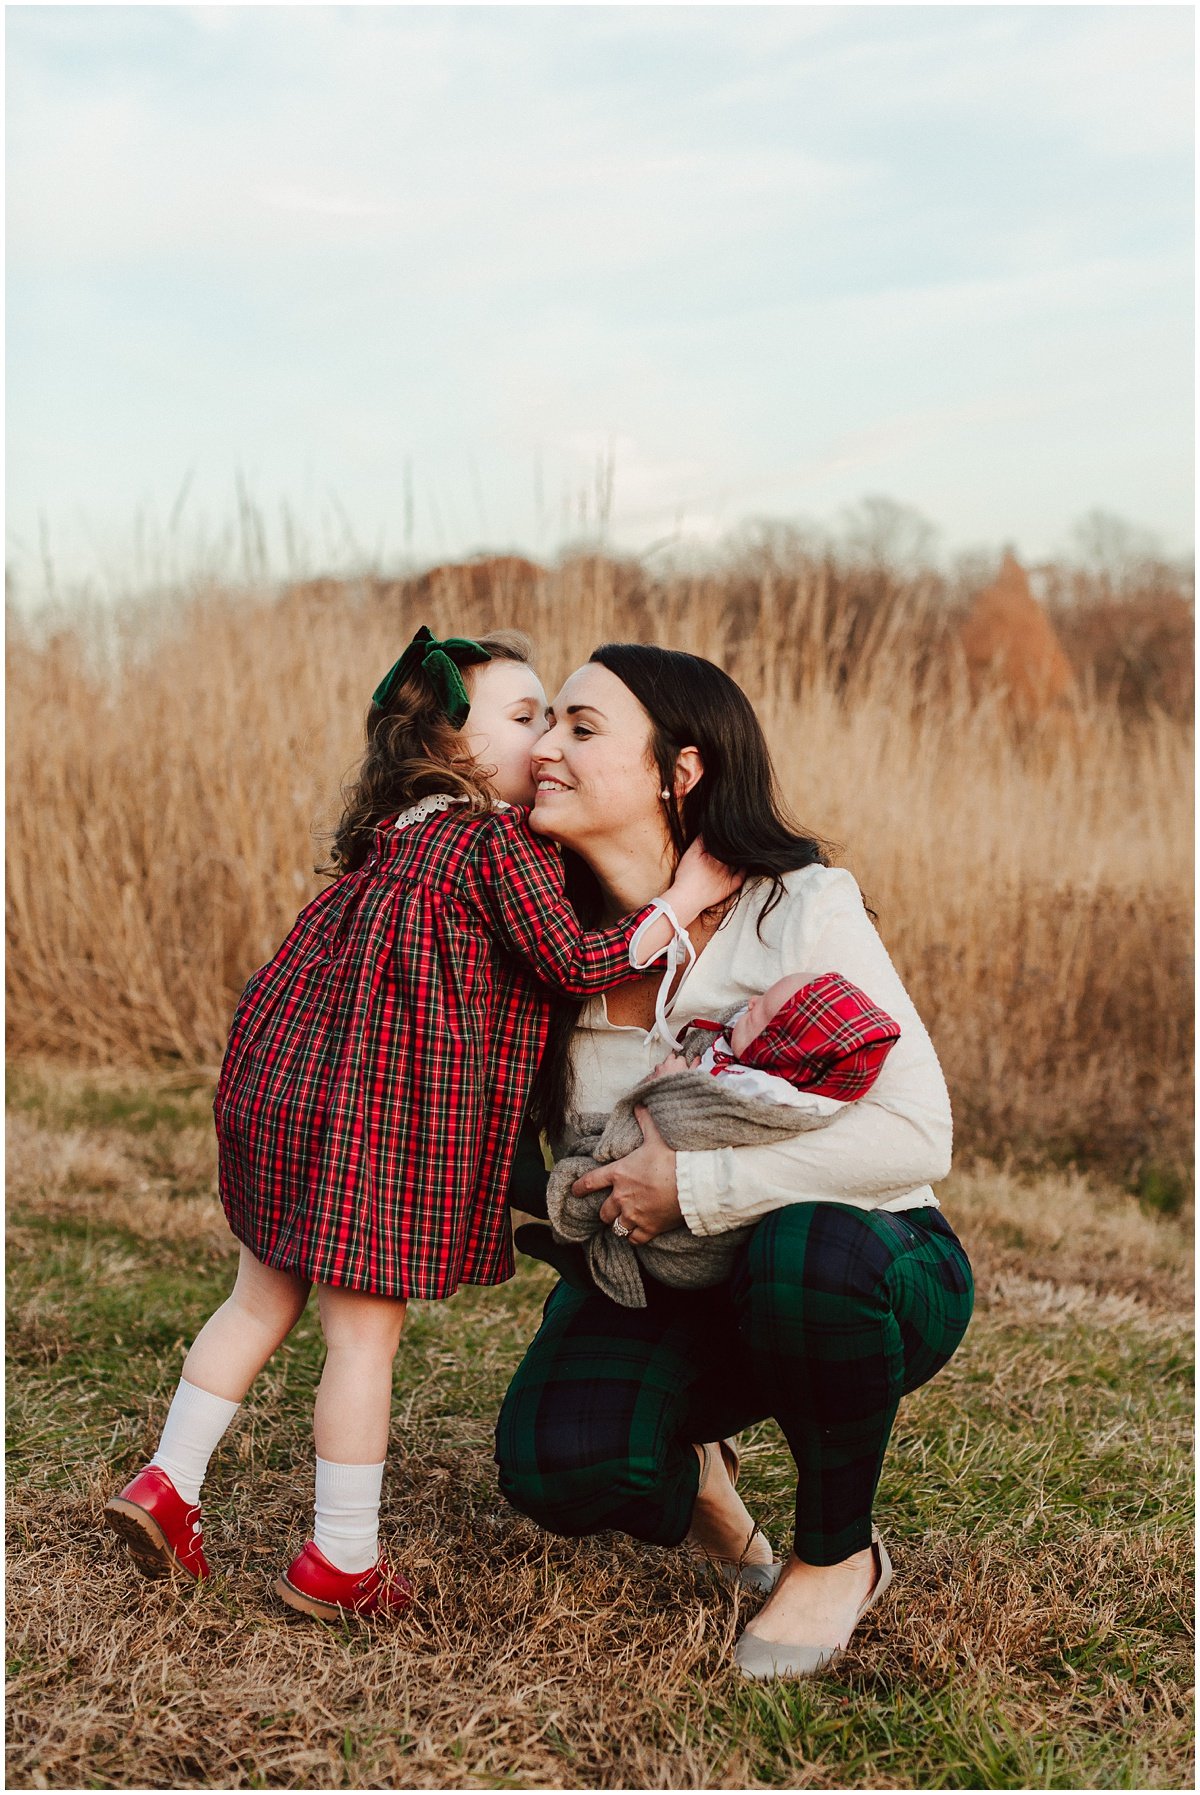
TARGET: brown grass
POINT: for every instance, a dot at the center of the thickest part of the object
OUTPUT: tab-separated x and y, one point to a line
166	767
541	1665
1106	1256
1036	1499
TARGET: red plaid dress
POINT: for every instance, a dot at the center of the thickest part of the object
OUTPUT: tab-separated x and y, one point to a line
379	1065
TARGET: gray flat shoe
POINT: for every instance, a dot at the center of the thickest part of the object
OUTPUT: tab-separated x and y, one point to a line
757	1657
758	1579
734	1573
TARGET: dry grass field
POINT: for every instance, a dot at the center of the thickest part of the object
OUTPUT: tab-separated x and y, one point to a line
171	767
1033	881
1037	1500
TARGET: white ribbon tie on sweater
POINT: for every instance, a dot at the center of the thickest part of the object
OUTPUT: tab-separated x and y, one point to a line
678	949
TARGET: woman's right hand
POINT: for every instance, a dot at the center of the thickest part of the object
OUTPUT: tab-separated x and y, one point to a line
703	881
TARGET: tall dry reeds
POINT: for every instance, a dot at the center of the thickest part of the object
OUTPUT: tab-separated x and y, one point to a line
167	766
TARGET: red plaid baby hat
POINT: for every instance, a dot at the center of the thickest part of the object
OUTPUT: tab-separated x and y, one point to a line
829	1038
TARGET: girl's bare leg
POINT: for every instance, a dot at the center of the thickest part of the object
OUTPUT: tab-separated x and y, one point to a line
227	1354
350	1423
238	1338
354	1401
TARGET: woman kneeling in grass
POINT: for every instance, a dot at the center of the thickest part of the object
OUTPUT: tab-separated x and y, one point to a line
851	1290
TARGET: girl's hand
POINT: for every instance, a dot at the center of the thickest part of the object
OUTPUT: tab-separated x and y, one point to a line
703	880
644	1193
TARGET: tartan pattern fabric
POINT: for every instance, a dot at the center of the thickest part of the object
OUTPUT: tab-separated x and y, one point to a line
378	1066
832	1314
828	1038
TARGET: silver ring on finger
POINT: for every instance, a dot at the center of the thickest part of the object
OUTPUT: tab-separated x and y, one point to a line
619	1228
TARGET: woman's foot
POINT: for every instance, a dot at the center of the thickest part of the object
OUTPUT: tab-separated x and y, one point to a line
722	1526
817	1604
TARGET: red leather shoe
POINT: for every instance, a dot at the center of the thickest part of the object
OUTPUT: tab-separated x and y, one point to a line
314	1586
161	1529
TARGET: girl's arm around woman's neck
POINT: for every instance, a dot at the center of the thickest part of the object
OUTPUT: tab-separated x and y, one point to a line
630	873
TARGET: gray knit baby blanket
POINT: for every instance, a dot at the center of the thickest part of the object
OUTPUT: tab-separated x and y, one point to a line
694	1112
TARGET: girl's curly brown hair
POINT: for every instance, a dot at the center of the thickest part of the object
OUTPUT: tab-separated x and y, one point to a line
413	750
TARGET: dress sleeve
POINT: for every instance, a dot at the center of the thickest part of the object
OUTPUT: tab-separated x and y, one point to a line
518	888
892	1142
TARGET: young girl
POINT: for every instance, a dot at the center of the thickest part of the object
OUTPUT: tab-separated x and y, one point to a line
372	1089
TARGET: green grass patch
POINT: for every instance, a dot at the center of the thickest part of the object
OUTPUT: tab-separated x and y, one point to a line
108	1100
1163	1189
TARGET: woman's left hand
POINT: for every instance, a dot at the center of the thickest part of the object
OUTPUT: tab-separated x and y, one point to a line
644	1194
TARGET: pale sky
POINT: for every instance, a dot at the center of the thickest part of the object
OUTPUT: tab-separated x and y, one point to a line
770	259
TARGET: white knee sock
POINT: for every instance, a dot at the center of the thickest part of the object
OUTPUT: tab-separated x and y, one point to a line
195	1422
347	1522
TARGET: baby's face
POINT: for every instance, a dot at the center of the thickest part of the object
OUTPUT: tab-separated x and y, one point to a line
762	1010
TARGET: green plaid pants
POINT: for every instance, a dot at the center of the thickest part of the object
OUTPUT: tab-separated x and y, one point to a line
831	1315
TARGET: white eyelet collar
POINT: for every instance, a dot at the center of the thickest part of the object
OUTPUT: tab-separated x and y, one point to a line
427	807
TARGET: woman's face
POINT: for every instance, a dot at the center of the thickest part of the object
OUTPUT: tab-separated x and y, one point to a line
507	717
593	767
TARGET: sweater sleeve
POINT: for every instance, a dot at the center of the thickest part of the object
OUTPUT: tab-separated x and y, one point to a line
518	888
890	1143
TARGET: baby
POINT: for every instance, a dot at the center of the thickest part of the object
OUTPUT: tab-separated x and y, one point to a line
814	1044
782	1064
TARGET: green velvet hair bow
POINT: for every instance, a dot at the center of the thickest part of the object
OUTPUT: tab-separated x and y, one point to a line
433	659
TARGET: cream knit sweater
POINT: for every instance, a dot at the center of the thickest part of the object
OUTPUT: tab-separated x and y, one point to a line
882	1152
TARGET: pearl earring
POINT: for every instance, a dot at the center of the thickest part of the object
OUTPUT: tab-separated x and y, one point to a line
664	794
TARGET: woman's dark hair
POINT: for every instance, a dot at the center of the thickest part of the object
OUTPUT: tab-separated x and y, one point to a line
736	806
413	750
